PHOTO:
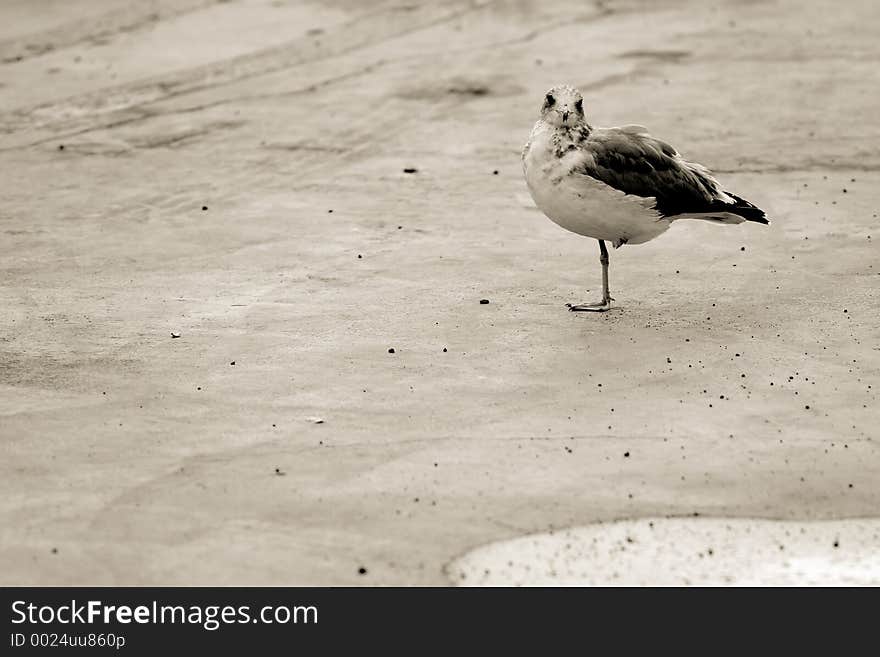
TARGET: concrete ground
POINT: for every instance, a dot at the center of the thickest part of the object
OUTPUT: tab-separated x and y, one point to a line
233	172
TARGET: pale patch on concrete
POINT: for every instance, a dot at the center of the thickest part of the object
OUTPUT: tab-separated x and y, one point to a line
683	551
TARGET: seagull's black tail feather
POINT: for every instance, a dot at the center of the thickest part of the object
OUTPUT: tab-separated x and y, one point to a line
743	208
722	211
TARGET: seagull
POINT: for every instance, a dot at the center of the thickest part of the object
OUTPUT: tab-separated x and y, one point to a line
619	185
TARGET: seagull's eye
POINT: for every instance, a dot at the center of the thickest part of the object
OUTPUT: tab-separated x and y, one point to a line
579	105
549	100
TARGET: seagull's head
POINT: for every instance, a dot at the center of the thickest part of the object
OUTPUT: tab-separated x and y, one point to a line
563	106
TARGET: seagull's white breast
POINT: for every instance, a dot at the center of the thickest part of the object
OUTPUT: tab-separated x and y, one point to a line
580	203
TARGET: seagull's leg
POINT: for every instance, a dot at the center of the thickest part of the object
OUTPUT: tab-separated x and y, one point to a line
603	258
605	303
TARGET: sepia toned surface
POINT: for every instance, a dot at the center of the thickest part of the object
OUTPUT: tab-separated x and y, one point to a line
171	167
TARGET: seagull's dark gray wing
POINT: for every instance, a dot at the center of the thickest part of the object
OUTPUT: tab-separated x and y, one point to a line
630	160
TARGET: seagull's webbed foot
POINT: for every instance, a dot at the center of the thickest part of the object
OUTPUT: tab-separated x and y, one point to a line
598	307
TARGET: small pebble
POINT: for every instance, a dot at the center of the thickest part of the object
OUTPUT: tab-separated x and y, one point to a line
391	351
175	335
484	301
410	170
